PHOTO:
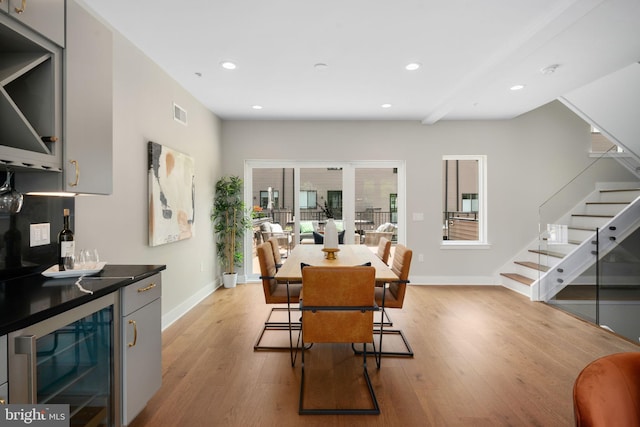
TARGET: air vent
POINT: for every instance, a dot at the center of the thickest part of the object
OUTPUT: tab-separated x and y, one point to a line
179	114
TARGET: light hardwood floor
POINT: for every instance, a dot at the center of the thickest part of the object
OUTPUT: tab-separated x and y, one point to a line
484	356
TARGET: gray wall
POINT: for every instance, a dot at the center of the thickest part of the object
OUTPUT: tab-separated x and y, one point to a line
117	224
529	158
612	104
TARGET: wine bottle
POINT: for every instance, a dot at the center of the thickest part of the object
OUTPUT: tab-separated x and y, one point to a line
66	244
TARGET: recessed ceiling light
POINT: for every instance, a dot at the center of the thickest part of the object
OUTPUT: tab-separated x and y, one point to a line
257	107
386	105
517	87
228	65
198	74
412	66
320	66
550	69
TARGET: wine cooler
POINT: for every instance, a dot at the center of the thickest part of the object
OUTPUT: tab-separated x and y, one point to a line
70	359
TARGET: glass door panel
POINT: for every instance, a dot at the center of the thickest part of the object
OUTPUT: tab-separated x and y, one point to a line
320	199
376	204
273	202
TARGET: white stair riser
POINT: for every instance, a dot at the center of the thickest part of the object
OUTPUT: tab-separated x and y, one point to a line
619	196
580	235
526	271
588	222
514	285
609	209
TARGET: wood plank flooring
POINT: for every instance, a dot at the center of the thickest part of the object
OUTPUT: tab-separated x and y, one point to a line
484	356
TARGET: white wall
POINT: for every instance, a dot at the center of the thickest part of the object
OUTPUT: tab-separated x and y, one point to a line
529	158
117	225
612	104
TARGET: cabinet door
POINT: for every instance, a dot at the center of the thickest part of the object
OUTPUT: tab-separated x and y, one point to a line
3	359
88	114
142	359
44	16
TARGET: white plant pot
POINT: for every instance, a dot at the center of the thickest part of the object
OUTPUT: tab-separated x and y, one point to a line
229	280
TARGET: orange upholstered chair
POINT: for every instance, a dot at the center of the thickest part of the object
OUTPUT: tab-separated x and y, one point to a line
275	247
276	293
607	392
384	250
337	307
392	296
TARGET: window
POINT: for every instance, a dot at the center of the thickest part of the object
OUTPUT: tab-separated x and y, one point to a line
308	199
393	207
334	202
464	219
469	202
264	199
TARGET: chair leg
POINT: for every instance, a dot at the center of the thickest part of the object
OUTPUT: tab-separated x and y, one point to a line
276	326
331	411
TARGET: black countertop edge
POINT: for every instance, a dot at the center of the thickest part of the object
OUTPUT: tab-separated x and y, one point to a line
31	299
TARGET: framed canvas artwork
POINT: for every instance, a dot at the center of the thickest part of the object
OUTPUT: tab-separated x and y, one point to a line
171	195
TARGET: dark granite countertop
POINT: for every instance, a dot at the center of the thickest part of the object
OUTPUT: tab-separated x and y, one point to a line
31	299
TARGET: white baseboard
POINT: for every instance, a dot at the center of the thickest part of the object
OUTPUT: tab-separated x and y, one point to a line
175	314
453	280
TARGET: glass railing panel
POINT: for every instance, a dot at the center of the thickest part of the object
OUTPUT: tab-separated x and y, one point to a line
619	288
571	215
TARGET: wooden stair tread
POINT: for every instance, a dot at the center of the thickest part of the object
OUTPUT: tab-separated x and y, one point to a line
592	215
606	203
533	265
518	278
550	253
619	189
582	228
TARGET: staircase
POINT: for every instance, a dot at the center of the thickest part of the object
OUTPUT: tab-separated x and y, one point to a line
542	259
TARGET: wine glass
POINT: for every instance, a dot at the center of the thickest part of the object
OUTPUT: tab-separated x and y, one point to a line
89	258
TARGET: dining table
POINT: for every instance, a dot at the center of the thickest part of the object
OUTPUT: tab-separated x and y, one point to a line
348	255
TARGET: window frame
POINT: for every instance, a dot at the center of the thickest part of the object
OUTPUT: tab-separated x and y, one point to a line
482	242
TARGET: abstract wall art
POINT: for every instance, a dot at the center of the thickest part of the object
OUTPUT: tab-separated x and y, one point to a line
171	195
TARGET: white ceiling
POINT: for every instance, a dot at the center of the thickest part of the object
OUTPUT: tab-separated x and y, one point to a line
471	53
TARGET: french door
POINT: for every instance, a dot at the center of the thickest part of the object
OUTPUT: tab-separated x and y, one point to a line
356	194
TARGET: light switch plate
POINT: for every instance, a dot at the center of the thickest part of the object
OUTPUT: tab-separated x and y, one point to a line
39	234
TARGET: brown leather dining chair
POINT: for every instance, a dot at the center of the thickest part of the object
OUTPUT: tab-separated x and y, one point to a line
607	392
337	307
275	248
276	293
384	249
392	296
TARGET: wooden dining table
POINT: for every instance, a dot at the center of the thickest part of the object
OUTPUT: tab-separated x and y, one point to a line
348	255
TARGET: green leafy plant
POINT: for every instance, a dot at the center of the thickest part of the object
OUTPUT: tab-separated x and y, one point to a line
230	221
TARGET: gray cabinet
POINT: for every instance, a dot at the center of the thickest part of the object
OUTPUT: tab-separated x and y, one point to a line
4	387
44	16
88	115
141	345
30	98
38	99
4	6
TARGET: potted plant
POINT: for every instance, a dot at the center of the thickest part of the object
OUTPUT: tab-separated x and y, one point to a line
230	221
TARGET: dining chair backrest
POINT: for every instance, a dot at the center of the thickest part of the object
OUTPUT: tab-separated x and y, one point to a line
400	266
384	249
275	248
274	292
334	290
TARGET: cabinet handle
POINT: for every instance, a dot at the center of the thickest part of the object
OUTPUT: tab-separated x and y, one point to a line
26	344
77	167
135	333
147	288
2	401
21	9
